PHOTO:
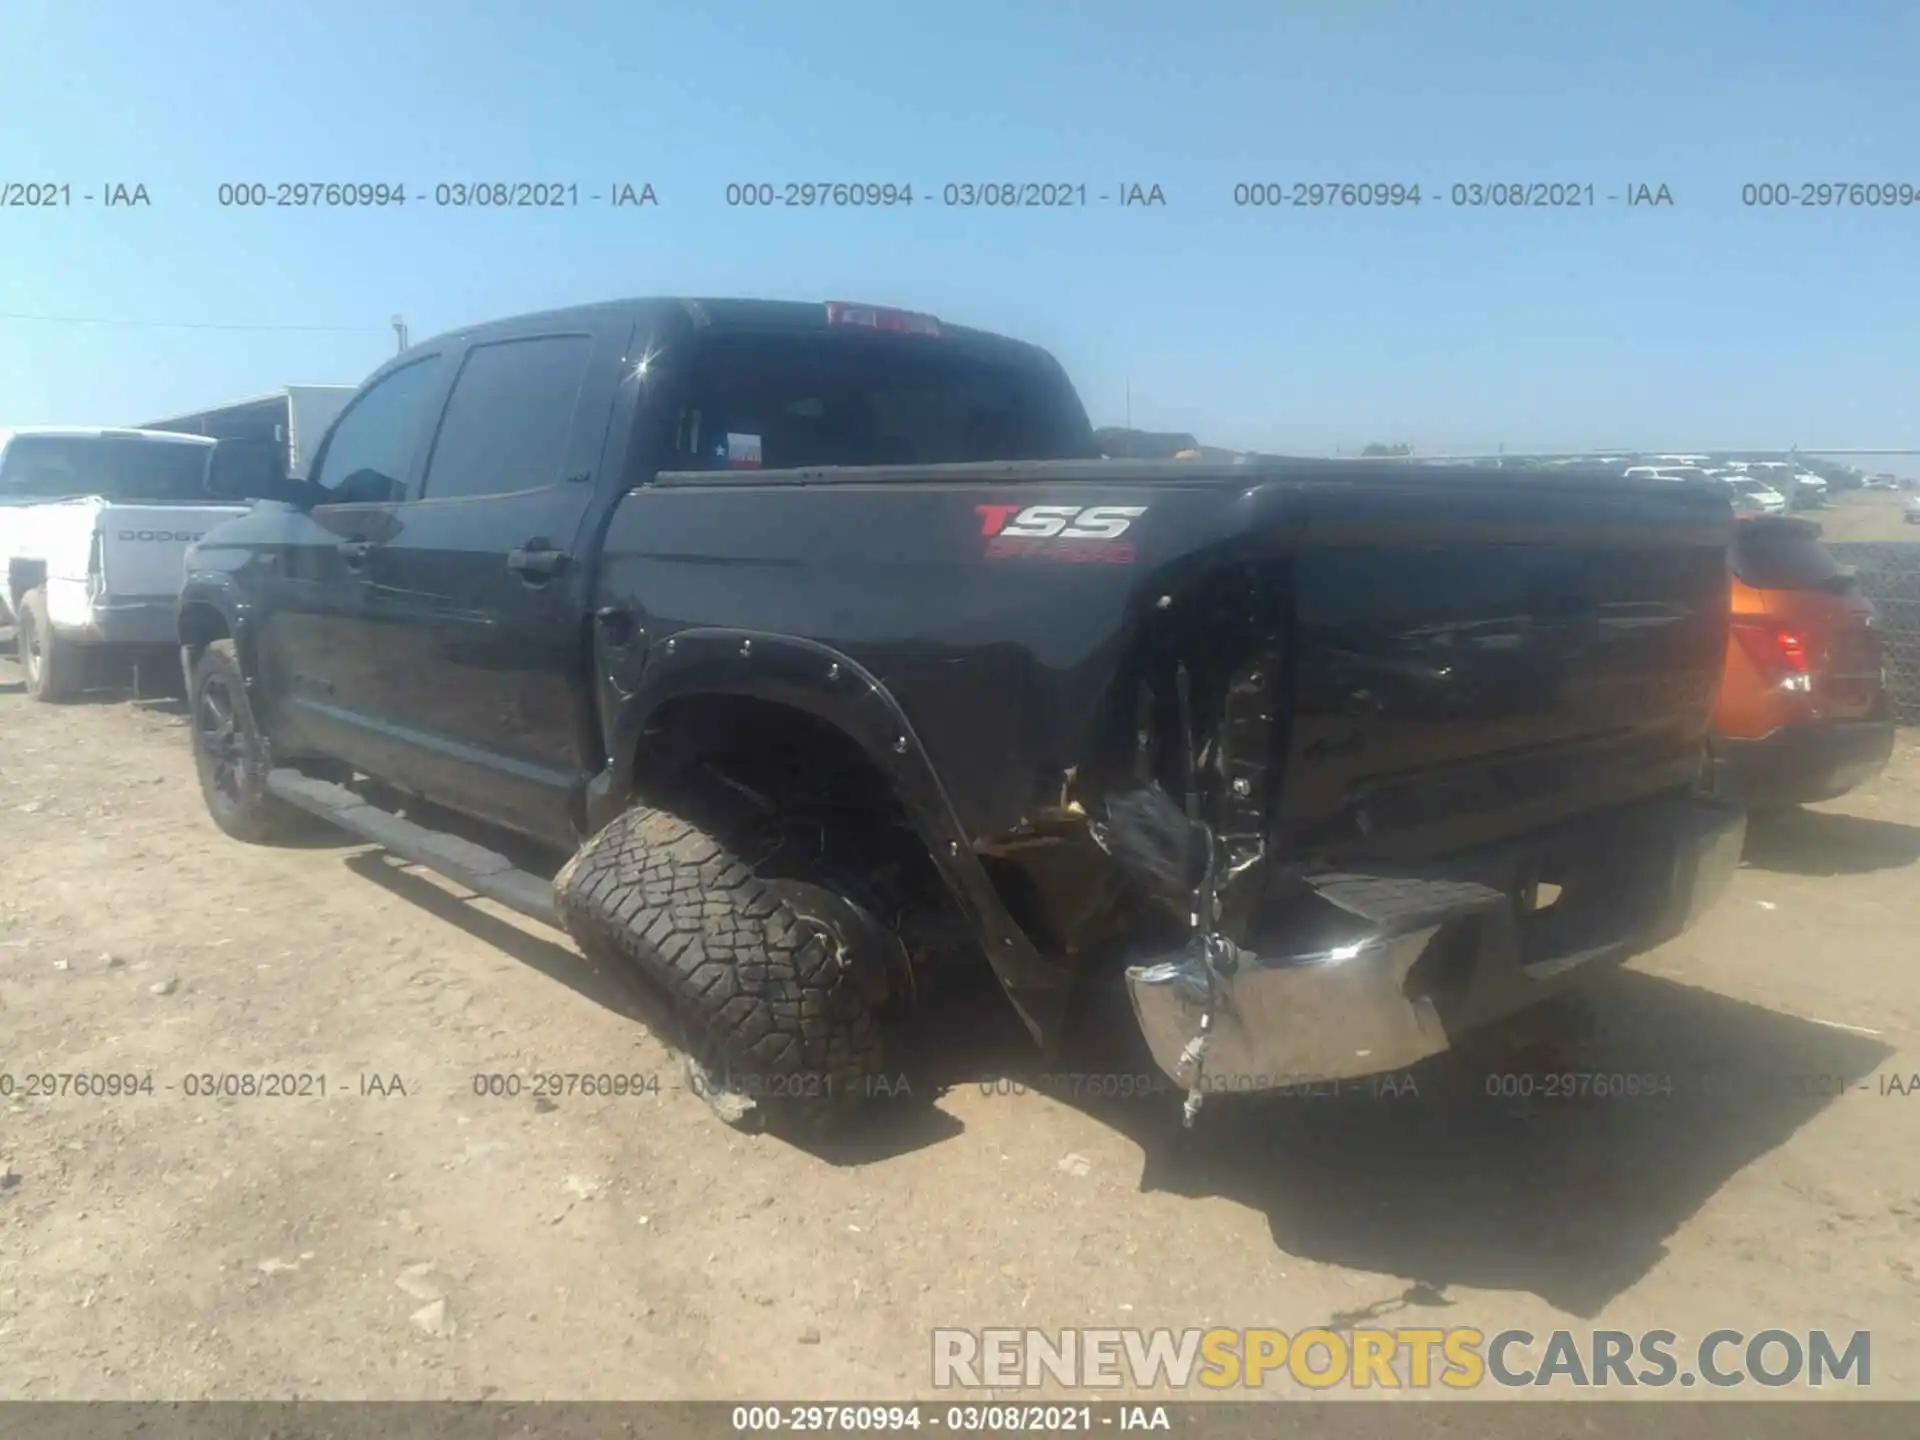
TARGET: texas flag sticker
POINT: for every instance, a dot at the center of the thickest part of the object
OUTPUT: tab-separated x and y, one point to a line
743	452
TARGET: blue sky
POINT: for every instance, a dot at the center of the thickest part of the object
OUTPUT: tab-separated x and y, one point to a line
1707	323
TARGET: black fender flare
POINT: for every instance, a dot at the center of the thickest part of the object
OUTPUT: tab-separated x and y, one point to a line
837	689
218	593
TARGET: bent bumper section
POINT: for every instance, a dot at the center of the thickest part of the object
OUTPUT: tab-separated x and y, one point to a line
1429	957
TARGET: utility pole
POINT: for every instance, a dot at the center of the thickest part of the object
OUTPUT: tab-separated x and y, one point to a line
400	332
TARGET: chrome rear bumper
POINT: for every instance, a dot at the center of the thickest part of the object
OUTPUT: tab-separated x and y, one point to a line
1234	1020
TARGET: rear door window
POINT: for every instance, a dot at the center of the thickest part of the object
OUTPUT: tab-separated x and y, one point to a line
1785	557
797	401
509	418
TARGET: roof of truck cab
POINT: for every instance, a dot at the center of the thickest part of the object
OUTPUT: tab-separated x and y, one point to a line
716	314
100	432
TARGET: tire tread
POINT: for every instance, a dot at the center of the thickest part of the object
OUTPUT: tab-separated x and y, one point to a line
656	892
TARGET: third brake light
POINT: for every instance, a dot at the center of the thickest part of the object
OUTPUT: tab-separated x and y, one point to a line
879	317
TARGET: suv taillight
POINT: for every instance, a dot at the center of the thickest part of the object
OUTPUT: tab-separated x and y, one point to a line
1778	653
97	566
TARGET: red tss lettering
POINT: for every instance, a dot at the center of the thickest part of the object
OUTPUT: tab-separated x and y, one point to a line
1061	532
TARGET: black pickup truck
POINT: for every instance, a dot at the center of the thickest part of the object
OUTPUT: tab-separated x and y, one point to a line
823	643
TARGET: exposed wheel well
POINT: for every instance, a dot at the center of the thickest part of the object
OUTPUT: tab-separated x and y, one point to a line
823	809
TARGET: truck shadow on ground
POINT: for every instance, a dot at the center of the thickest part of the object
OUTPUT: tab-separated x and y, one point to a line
899	1127
156	685
552	958
1450	1174
1823	842
1477	1168
173	705
109	681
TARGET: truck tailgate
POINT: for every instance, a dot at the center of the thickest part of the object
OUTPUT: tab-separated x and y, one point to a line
144	547
1474	656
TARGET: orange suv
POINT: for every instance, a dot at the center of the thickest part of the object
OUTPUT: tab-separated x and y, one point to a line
1802	714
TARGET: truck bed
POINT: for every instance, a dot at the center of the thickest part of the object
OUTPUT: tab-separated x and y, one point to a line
1445	657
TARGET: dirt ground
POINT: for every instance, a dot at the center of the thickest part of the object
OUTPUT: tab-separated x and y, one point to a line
432	1242
1866	515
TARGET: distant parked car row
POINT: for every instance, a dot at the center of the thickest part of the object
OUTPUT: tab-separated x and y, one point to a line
1757	486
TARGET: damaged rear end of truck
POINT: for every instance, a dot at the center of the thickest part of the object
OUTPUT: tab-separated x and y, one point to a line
1335	761
1411	756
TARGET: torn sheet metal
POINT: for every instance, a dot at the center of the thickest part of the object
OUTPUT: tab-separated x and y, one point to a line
1153	841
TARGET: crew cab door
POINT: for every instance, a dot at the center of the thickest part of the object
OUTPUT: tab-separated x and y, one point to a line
480	594
320	661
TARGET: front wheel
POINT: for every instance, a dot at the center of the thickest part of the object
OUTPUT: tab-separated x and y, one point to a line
230	754
54	669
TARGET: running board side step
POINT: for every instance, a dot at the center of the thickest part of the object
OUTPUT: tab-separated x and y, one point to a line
479	869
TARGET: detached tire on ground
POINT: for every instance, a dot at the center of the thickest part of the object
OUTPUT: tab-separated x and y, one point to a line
55	670
768	998
230	754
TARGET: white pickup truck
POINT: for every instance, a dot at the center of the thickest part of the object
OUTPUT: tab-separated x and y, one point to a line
94	530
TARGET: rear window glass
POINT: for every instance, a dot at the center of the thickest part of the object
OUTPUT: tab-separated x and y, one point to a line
1770	557
52	467
789	402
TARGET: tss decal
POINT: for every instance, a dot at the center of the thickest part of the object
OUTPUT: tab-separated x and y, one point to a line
1060	532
